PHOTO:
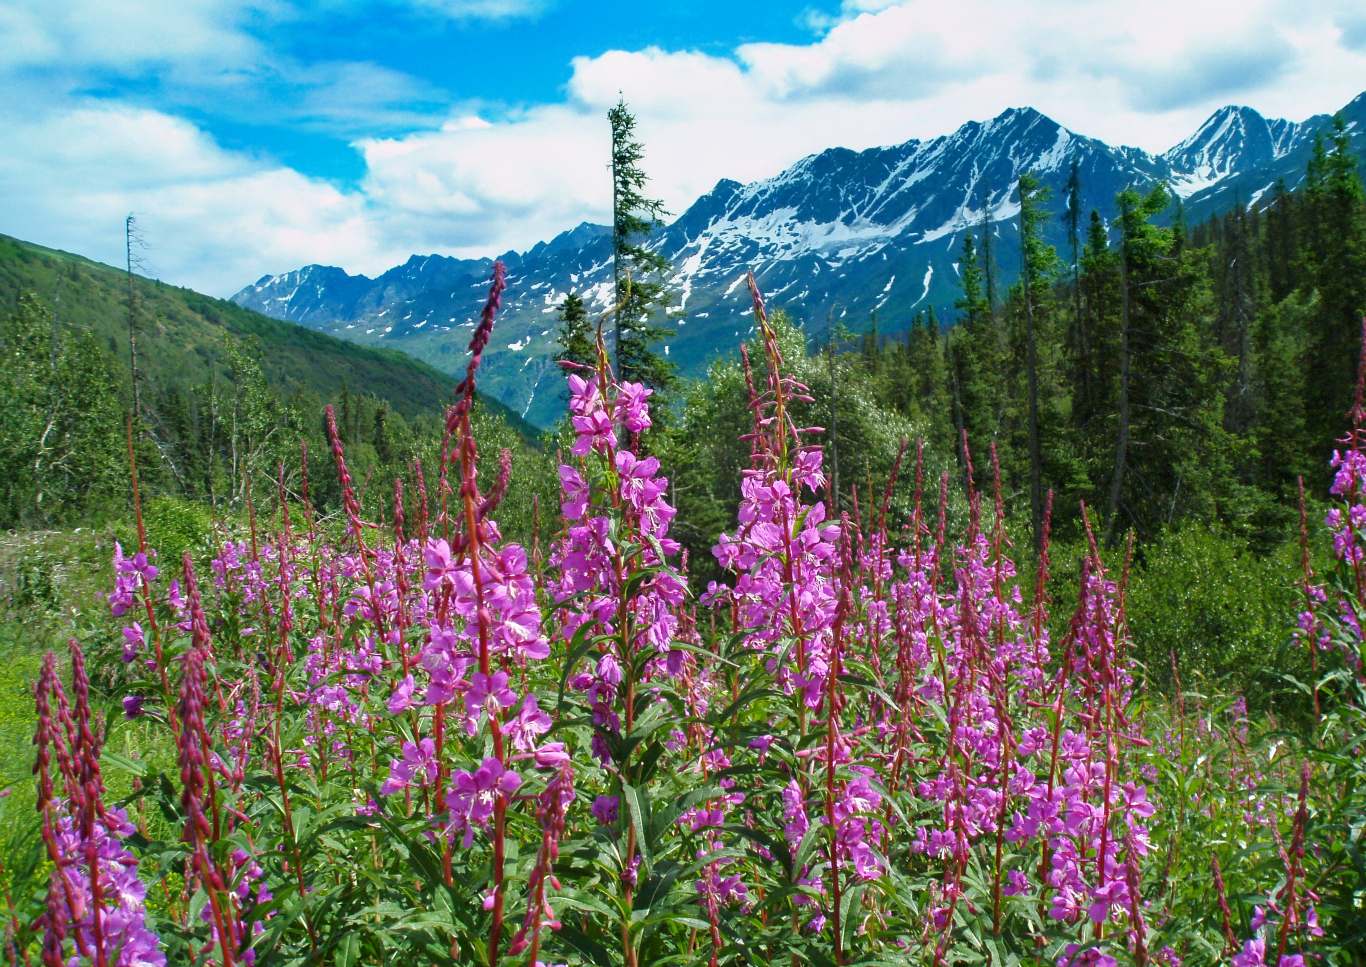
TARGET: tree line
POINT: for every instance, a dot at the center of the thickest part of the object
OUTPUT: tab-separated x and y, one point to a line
1159	372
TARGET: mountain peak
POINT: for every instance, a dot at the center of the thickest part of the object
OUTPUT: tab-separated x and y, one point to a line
1025	113
1233	138
1016	119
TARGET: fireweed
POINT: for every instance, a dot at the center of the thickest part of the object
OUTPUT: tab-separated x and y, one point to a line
414	741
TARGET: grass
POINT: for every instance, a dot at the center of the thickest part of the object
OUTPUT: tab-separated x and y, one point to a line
43	574
184	334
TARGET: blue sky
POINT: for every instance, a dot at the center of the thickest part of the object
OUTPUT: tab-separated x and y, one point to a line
431	60
253	136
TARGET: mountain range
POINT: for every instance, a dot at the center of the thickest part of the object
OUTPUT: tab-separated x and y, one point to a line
839	236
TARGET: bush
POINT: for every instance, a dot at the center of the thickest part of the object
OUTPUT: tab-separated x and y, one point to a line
1225	612
175	525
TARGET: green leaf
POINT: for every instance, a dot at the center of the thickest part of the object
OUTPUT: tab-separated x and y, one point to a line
575	938
134	767
348	950
636	804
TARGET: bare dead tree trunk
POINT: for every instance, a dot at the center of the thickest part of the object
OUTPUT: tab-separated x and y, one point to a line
129	236
1122	437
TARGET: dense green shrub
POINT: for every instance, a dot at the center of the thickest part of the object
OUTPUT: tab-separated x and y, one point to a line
1223	611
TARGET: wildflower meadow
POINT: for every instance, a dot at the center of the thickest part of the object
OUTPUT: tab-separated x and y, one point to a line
881	737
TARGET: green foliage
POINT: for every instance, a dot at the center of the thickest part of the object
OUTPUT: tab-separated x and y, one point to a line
227	397
183	334
1220	609
639	292
176	525
862	434
1334	258
576	336
60	441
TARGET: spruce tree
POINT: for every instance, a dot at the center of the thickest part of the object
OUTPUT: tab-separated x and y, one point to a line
636	269
1093	414
1281	243
929	377
973	304
988	259
384	449
978	357
1037	265
1078	343
576	337
1173	457
1237	307
1336	262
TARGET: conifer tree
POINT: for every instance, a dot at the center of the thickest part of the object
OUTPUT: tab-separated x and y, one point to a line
1093	414
1237	306
928	376
973	304
575	337
637	270
1037	264
871	344
384	449
988	259
977	354
1336	261
1281	243
1078	343
1173	455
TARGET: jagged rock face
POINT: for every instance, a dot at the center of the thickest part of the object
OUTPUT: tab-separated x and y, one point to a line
840	235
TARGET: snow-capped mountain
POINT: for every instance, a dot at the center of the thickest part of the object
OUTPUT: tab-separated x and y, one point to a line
840	235
1232	141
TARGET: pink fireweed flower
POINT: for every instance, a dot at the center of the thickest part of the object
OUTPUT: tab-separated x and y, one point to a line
552	755
133	642
1088	957
529	723
1253	954
574	502
418	763
402	698
441	566
632	410
605	809
130	574
473	795
593	428
487	694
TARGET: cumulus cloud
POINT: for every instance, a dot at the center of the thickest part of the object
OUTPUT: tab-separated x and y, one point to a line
213	219
480	180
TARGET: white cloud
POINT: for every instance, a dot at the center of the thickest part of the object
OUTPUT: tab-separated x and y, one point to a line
213	220
483	9
97	33
485	181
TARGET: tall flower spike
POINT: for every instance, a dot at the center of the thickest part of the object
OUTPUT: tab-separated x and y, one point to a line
478	342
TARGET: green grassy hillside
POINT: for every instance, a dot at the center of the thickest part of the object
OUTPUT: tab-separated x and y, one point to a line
182	334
